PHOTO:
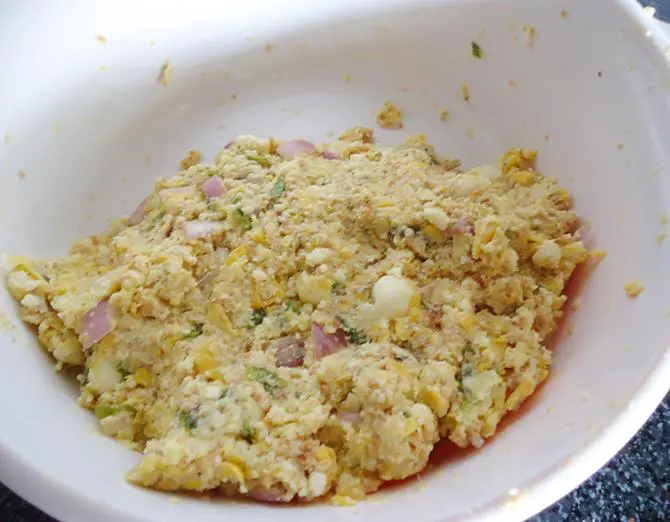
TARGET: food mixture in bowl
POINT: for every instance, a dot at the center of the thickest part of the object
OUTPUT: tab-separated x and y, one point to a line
295	322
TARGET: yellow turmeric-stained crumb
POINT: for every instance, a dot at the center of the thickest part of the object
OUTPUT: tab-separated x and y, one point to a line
444	114
101	39
633	288
193	157
165	75
390	116
5	324
513	83
530	32
342	501
664	219
660	238
269	48
465	92
565	14
347	78
596	256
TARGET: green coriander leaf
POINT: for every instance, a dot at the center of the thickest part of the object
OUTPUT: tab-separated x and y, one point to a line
277	189
188	420
241	219
105	410
248	433
293	306
477	51
261	160
257	316
196	331
353	334
269	379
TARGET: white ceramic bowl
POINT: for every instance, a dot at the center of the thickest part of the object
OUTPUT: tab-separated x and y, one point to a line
91	127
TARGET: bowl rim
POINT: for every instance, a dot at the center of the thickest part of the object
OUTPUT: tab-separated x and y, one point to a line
64	502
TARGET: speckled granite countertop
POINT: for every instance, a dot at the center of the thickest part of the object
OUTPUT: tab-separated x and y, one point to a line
633	487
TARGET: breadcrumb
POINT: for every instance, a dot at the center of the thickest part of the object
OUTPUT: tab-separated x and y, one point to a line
193	157
444	114
465	91
565	14
390	116
22	173
165	76
101	39
633	288
530	33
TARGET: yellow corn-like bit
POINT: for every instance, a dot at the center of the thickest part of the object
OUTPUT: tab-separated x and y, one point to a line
524	178
525	388
229	472
143	377
410	426
204	361
467	321
218	317
342	501
236	254
431	396
432	232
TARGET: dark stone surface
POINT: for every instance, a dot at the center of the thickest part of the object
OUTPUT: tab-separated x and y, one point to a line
633	487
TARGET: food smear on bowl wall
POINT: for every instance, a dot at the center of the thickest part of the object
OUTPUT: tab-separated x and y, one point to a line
335	307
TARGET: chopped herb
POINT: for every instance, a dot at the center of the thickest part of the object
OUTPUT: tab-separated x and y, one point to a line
158	216
261	160
123	371
241	219
196	331
337	287
277	189
353	334
224	394
468	349
293	306
269	379
257	316
105	410
248	433
213	206
187	420
477	51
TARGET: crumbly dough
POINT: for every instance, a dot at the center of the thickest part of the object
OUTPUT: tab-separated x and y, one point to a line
326	322
390	116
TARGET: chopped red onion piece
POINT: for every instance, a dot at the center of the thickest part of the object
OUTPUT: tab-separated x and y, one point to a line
137	216
330	155
292	148
197	229
463	226
213	187
348	416
290	351
267	495
96	323
327	344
